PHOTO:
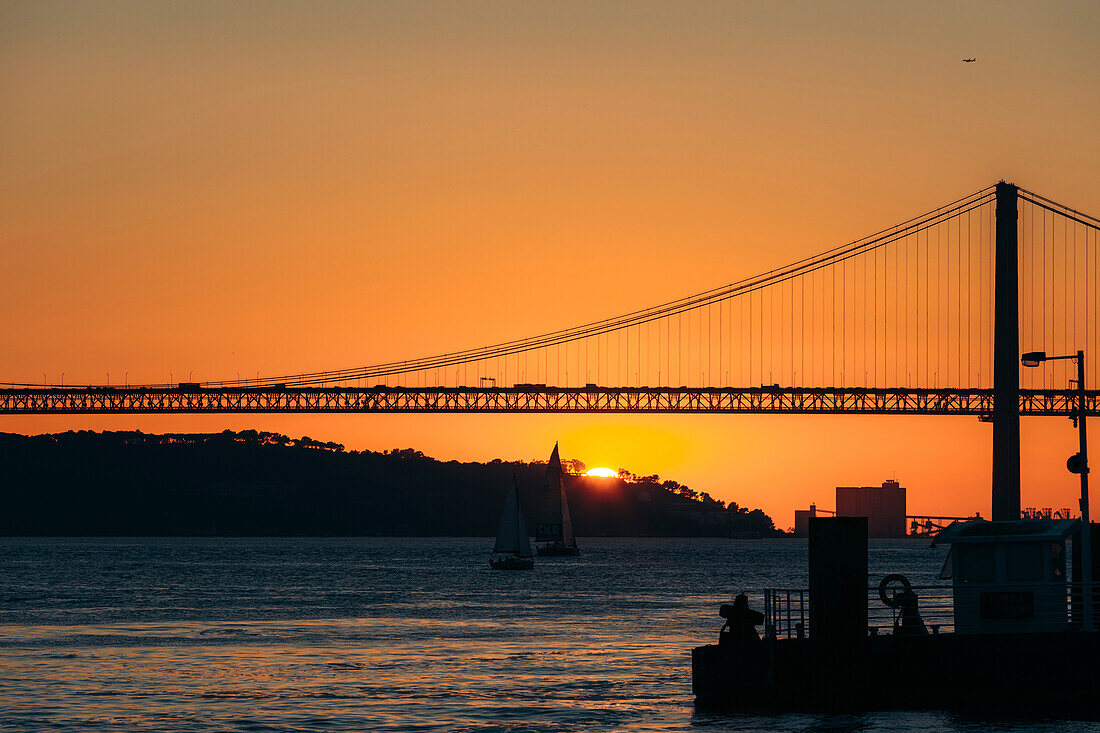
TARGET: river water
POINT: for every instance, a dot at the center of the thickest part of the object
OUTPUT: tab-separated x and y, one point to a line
387	634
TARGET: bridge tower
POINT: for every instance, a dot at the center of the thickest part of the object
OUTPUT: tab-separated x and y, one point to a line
1006	360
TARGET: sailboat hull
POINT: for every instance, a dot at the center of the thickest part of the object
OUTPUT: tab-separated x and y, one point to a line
557	550
512	563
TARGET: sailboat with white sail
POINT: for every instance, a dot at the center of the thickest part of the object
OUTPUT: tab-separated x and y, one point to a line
513	546
555	526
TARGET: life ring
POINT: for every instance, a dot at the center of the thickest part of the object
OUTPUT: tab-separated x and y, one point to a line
891	600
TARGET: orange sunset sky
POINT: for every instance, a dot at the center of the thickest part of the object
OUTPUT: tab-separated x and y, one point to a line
221	189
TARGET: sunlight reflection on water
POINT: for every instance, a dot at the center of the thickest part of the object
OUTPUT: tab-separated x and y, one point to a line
390	634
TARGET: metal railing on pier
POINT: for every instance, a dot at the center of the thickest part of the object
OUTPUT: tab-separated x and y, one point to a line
786	613
1013	608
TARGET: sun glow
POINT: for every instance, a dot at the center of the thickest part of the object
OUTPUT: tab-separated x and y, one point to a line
602	472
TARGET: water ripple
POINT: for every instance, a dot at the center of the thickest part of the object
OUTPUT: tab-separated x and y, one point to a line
390	635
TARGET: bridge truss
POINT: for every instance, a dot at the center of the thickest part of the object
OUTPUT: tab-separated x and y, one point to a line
533	399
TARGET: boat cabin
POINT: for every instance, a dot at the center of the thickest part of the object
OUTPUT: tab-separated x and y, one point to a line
1008	577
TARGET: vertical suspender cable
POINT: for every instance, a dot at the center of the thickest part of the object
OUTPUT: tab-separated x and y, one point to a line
947	312
1073	293
927	311
939	313
1066	345
843	321
833	310
1048	346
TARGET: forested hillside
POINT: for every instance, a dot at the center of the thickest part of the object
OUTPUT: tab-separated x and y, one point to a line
250	483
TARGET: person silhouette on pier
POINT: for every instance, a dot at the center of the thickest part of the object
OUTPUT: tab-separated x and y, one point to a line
741	623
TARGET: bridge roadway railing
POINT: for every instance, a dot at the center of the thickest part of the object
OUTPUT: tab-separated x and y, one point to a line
528	399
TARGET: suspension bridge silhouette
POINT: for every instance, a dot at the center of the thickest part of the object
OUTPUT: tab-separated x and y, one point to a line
926	317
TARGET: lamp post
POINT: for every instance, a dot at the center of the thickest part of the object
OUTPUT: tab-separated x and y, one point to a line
1079	464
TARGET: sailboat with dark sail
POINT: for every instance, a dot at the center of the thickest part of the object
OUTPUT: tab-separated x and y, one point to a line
513	546
555	527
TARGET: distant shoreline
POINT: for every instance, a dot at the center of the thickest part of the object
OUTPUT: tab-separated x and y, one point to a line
256	484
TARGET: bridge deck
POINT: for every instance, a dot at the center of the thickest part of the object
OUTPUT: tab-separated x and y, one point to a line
795	400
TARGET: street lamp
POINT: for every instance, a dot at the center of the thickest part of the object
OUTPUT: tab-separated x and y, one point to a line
1033	358
1079	464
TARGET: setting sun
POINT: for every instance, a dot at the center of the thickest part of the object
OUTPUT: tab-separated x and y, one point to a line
602	472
